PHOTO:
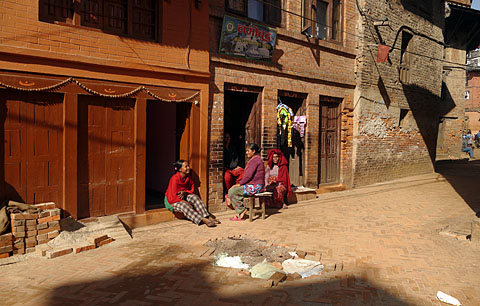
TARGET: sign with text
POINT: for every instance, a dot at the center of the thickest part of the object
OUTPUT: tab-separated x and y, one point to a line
246	39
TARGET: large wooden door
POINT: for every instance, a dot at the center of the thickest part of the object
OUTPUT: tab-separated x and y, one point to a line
106	156
32	151
329	140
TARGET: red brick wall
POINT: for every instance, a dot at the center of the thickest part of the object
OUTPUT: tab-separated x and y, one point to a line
313	68
452	123
384	147
473	86
22	32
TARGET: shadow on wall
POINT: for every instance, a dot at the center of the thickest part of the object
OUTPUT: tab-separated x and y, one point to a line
427	108
463	176
149	281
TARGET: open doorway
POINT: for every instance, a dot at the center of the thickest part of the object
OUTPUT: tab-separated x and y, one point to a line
294	150
167	124
242	119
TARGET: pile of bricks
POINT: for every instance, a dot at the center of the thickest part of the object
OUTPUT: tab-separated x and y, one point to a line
31	229
6	245
94	242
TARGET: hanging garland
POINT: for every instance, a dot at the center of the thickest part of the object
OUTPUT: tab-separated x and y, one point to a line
284	120
95	93
48	88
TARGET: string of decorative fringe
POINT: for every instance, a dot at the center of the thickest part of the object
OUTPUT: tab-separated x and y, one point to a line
96	93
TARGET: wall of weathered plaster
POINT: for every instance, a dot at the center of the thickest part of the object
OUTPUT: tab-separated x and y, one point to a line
387	146
452	108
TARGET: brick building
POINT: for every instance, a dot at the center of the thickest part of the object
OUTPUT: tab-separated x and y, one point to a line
397	99
310	72
461	36
98	98
472	94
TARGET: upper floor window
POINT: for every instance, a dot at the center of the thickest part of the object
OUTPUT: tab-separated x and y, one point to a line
136	18
322	19
268	11
423	8
406	59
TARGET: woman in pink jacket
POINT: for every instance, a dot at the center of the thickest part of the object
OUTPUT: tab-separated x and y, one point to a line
252	182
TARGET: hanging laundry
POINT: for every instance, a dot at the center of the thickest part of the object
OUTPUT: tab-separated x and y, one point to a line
299	123
284	120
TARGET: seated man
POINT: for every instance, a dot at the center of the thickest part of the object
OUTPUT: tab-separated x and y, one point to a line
233	173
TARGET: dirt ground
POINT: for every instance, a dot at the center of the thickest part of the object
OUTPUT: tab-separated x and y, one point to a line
251	251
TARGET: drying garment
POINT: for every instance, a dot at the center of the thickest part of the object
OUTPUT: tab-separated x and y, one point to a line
299	123
284	119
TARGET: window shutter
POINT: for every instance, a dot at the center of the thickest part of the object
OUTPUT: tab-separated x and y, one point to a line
273	12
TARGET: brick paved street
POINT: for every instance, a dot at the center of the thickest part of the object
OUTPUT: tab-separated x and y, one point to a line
386	235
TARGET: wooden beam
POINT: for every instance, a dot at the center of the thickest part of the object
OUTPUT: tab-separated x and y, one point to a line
140	155
70	125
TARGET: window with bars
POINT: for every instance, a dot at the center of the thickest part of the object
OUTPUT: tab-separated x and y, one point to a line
422	8
135	18
267	11
322	19
405	59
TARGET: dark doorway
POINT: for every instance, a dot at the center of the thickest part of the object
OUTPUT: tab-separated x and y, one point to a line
295	153
167	127
242	120
329	146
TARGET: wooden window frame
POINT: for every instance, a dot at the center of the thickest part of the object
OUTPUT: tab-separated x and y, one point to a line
77	11
423	8
404	69
309	19
266	17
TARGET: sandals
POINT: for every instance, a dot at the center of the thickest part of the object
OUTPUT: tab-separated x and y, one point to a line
211	224
236	218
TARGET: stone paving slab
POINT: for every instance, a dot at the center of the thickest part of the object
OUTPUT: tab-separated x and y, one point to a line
386	236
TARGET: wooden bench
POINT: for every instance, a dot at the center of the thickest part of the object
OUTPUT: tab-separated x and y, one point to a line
250	201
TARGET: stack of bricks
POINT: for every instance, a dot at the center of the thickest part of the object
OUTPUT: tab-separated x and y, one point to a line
6	245
93	242
31	229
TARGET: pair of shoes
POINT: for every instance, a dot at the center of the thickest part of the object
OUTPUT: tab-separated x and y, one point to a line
236	218
211	224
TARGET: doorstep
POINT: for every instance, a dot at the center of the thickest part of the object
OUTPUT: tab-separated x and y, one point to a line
330	188
150	217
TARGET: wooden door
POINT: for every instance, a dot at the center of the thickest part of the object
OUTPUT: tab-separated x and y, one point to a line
106	156
253	125
329	141
32	151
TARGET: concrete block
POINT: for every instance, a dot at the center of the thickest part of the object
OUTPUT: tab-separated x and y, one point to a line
475	234
42	249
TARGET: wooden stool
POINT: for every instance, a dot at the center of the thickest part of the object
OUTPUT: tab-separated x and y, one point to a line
249	203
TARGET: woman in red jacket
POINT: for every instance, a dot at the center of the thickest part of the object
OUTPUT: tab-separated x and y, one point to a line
181	197
277	179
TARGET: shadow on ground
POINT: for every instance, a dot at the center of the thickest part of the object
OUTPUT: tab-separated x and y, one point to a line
160	277
464	177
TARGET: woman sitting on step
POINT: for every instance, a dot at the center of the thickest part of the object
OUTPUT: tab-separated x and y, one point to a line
251	183
181	197
277	179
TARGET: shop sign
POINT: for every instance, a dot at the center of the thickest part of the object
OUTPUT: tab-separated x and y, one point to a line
246	39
